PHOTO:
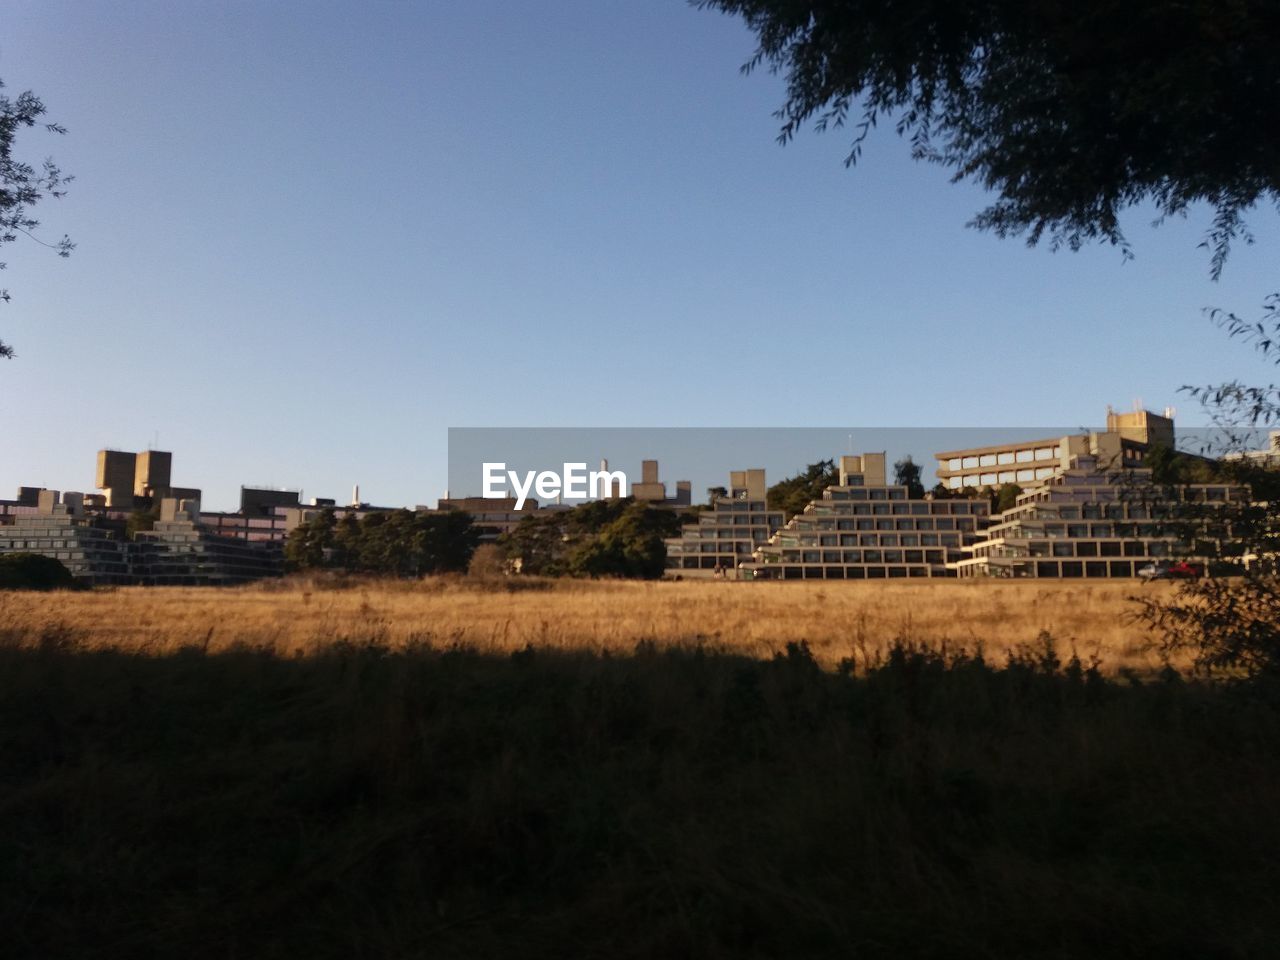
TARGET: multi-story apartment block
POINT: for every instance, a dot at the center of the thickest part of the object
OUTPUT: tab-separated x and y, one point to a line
1092	521
865	529
1124	443
728	533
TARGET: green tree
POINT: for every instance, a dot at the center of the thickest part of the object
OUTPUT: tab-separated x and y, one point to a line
1005	498
307	543
906	473
793	494
602	538
34	571
22	185
1067	114
140	520
631	545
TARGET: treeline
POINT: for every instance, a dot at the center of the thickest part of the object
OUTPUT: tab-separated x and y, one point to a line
603	538
403	543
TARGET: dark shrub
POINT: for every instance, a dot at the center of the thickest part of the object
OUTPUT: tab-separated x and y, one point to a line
31	571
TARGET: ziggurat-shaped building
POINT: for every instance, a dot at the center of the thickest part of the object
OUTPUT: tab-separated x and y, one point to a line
865	529
728	533
1088	521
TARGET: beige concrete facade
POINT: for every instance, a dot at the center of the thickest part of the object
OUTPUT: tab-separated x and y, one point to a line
727	534
866	529
1091	521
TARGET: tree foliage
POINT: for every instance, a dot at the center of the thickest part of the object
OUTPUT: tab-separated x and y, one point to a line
906	473
33	571
23	185
1067	112
603	538
793	494
1005	498
403	543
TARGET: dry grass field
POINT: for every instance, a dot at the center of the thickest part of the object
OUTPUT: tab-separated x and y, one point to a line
756	619
454	769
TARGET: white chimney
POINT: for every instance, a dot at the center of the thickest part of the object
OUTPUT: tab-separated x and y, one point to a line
355	495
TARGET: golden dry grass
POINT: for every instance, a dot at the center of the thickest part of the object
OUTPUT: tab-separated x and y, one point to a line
758	619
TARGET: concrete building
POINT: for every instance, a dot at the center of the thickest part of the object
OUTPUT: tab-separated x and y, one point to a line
152	474
493	515
863	528
59	527
131	481
653	491
114	477
179	550
1123	444
261	501
728	533
1090	521
1268	456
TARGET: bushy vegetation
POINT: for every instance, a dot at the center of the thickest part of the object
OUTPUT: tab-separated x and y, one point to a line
603	538
795	493
32	571
444	803
403	543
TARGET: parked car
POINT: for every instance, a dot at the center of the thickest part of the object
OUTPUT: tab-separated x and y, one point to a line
1171	570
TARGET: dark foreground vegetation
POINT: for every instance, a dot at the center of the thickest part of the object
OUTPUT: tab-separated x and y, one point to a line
443	803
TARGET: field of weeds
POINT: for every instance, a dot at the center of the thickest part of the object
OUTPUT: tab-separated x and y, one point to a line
624	770
836	621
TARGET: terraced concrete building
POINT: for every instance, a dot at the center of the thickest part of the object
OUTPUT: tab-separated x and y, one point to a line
95	555
1094	522
179	550
727	534
866	529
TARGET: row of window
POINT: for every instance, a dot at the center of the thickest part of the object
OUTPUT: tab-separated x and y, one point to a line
1001	458
854	557
806	525
872	540
1004	476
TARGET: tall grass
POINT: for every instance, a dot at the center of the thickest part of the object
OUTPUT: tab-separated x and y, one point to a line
434	800
753	619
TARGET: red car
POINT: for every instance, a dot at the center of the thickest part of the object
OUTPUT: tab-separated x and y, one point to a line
1177	570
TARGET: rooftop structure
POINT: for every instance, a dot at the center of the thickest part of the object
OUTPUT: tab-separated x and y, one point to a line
653	491
128	480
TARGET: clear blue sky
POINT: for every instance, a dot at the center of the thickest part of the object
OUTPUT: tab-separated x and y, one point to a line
314	236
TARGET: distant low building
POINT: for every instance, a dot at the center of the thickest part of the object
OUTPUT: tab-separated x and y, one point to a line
653	491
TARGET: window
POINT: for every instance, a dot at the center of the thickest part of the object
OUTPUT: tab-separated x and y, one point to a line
1025	456
1004	458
